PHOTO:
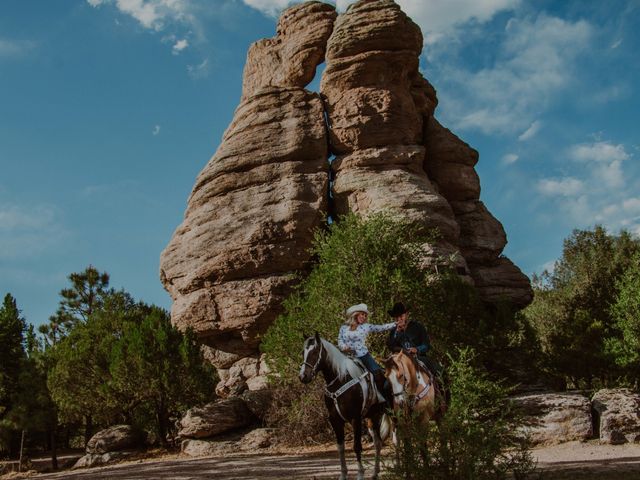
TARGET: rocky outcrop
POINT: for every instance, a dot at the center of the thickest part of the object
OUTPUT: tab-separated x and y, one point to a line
215	418
252	212
617	413
113	439
377	103
551	418
250	217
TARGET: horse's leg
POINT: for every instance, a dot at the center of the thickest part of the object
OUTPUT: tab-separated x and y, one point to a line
338	428
374	430
356	423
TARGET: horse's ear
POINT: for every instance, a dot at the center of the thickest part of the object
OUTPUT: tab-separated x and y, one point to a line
317	337
304	336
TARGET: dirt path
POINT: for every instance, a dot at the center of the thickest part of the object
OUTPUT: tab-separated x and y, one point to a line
570	461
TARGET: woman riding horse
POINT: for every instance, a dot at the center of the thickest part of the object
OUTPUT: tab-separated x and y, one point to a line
350	395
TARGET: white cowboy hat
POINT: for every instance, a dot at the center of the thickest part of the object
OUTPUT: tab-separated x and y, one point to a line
361	307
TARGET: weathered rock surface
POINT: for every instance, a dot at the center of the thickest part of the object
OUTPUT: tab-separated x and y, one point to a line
250	217
215	418
97	459
618	412
256	439
112	439
552	418
249	223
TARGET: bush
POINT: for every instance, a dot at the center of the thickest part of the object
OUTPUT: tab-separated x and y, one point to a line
379	260
477	439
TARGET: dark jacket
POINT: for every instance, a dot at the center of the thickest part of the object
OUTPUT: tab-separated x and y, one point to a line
415	335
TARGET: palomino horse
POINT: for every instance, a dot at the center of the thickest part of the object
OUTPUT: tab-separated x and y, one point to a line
350	395
414	388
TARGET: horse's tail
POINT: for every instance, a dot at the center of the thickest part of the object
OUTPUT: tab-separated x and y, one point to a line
385	427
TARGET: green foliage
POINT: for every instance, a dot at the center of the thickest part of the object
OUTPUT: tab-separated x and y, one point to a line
379	260
12	327
571	312
477	438
78	302
159	368
24	401
374	260
127	363
626	313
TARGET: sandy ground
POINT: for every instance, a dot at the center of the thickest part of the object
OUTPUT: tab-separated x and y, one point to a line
574	460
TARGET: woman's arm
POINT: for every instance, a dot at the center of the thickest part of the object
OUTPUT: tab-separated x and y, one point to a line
342	341
380	328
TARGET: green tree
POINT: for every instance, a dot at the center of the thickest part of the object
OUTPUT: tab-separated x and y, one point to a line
571	312
84	296
626	313
127	363
12	327
79	379
161	368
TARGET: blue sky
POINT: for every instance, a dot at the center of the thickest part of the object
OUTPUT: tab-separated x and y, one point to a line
110	108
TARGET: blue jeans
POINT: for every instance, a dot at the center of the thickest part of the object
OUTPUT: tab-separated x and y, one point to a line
369	362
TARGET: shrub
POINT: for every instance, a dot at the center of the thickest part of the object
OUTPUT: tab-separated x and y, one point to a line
379	260
477	439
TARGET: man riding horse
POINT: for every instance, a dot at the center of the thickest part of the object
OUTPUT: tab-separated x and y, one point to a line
411	337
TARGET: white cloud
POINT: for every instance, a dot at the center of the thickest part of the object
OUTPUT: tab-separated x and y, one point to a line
566	187
435	17
598	152
616	44
510	158
531	131
270	7
598	191
151	14
179	46
26	231
438	17
14	48
535	62
199	71
156	130
604	161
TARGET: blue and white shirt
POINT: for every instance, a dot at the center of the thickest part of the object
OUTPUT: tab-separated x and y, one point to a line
356	339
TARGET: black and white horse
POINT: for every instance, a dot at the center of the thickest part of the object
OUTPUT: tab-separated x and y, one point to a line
350	396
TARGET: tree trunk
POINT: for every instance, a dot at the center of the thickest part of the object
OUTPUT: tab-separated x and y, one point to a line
54	452
21	450
161	417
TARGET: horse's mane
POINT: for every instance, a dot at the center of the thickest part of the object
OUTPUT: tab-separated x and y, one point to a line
341	364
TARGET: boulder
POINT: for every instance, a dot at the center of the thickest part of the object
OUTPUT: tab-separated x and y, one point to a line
258	401
96	459
617	413
256	439
116	438
551	418
215	418
205	448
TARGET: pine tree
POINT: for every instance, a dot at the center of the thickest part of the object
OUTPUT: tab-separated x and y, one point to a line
12	327
85	296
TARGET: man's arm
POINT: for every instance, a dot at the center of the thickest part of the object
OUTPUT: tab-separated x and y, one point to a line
423	345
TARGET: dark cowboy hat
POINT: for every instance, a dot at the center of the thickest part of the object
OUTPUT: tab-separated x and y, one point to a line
398	309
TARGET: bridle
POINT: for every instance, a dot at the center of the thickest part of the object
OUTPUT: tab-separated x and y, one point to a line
314	368
412	399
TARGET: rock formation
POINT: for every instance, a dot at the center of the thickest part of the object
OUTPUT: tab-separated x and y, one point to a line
250	217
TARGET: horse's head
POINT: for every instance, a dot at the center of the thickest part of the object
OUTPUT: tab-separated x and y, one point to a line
401	373
312	356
